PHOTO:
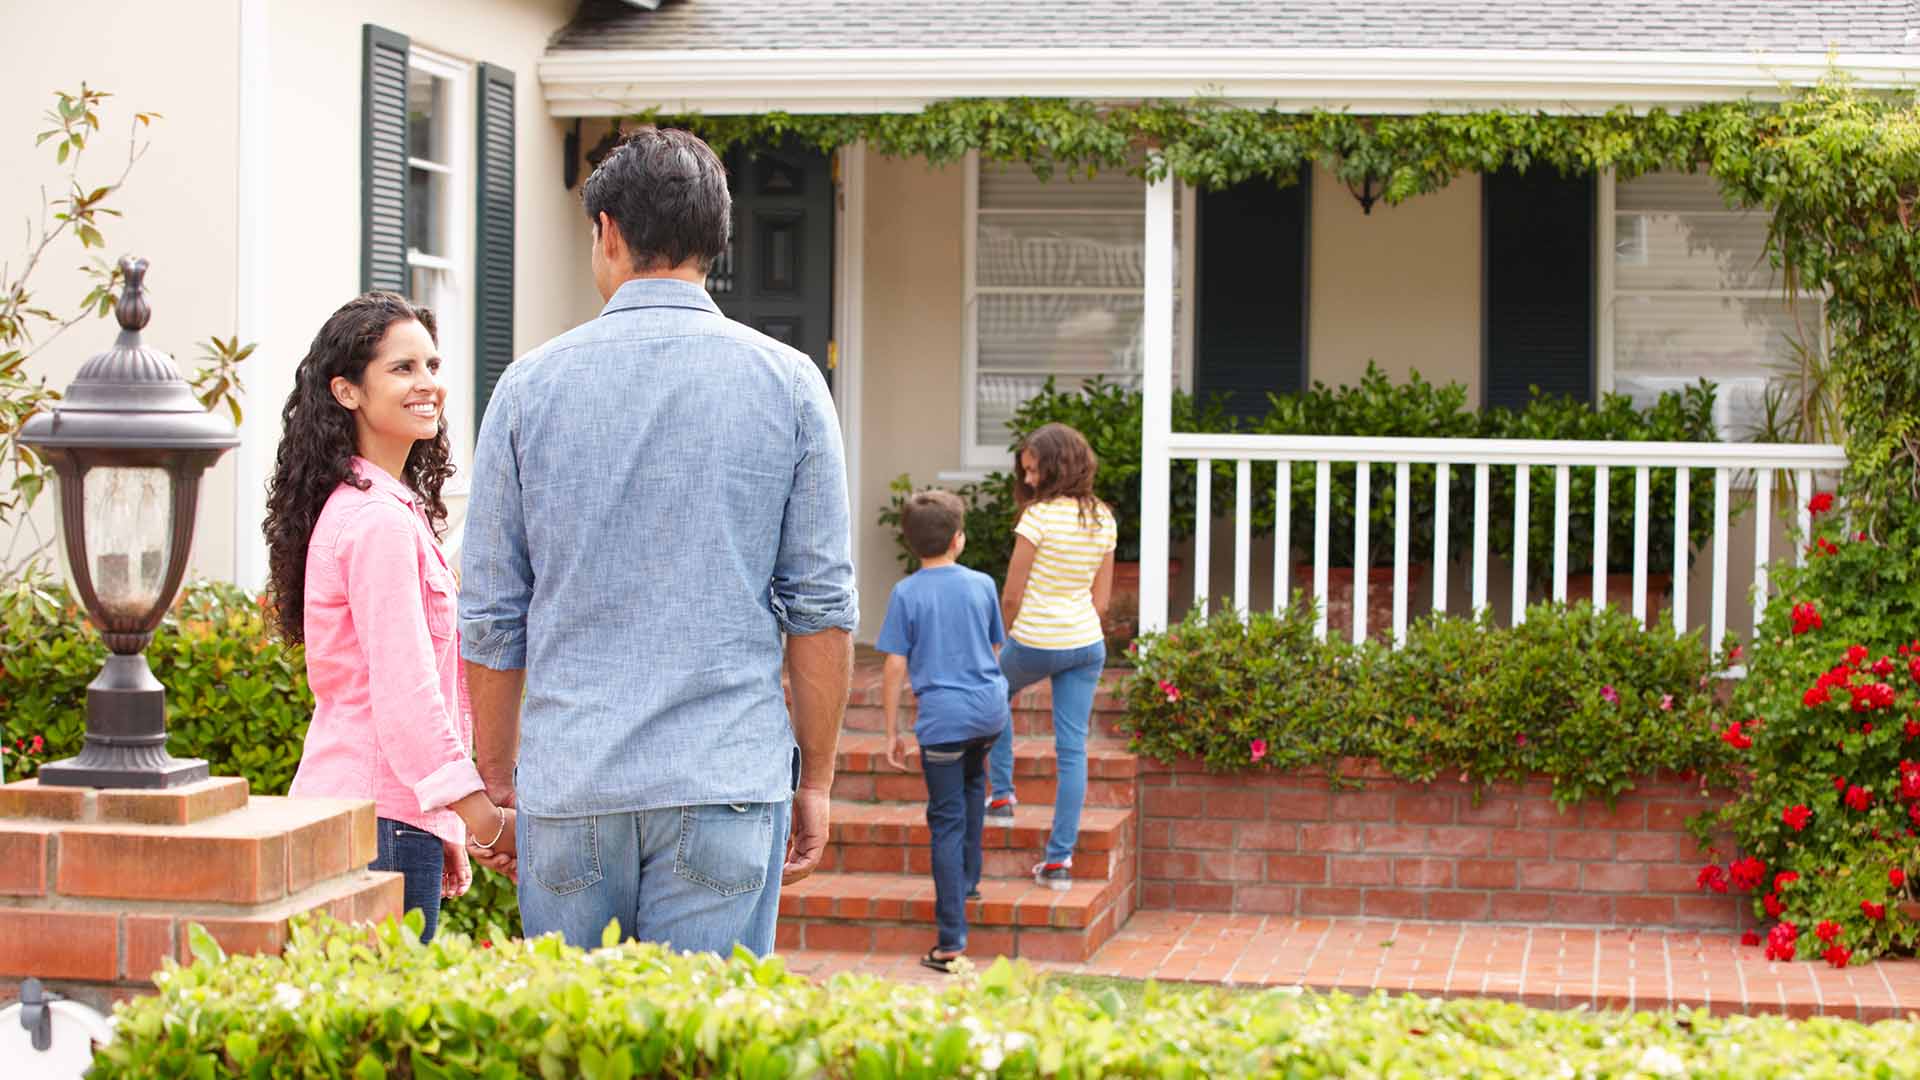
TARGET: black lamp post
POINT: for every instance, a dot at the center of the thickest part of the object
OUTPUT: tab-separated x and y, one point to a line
127	444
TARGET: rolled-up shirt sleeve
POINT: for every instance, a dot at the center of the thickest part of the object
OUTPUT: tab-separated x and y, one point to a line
496	571
813	586
412	720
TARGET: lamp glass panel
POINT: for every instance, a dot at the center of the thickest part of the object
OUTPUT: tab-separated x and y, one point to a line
129	527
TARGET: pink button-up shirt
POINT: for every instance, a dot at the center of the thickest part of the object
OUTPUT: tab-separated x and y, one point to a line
390	715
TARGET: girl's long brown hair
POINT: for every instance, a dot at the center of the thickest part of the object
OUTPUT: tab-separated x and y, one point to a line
1066	466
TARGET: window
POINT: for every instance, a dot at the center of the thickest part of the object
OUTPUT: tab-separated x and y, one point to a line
439	217
1689	294
1055	287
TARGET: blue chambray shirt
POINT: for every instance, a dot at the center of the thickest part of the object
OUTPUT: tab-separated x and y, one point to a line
657	497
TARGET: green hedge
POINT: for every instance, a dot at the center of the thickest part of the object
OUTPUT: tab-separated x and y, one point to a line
1583	696
236	696
343	1003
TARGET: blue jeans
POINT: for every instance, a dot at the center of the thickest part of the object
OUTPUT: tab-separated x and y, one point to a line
419	858
696	878
956	811
1076	675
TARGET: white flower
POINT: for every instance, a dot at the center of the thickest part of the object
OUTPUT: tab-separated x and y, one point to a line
1660	1061
288	997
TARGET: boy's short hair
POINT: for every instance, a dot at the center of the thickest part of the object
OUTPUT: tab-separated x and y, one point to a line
930	521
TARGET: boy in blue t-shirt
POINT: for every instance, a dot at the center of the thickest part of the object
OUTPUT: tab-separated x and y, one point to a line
943	629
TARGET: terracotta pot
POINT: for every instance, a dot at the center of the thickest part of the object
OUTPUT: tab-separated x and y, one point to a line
1379	597
1620	590
1909	908
1122	623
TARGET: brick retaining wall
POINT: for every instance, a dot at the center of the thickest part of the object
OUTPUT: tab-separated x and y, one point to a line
1284	843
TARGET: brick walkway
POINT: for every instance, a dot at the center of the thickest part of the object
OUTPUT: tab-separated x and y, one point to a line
1549	968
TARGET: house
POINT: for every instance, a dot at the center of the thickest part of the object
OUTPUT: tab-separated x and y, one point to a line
936	297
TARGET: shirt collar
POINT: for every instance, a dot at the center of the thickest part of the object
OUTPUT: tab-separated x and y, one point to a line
384	481
660	293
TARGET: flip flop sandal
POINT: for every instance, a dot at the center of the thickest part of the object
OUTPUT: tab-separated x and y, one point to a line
942	964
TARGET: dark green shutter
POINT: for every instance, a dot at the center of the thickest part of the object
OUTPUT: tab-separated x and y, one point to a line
1538	306
383	160
1250	316
493	255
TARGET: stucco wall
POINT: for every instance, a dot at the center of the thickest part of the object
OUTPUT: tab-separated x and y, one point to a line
1400	285
911	370
175	59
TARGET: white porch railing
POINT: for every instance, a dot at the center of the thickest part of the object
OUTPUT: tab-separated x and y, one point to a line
1716	463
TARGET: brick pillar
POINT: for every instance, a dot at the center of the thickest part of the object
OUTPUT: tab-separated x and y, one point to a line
97	887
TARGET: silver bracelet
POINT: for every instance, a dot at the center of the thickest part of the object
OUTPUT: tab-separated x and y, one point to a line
497	833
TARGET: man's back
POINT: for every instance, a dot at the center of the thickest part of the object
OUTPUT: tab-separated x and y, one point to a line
661	493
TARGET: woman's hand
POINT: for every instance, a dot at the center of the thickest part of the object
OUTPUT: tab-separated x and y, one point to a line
456	874
502	857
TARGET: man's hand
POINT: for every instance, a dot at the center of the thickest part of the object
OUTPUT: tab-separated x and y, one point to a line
897	752
807	840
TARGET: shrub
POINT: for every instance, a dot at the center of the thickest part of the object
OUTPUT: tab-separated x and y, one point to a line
1584	697
988	524
1830	715
236	695
345	1003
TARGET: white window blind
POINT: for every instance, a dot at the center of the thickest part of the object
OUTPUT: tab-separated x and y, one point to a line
1693	296
1055	290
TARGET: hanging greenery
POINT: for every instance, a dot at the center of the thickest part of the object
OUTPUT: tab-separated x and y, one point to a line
1838	167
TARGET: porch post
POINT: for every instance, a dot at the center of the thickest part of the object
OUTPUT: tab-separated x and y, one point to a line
1156	422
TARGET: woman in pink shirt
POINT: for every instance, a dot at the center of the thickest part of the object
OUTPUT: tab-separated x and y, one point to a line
353	526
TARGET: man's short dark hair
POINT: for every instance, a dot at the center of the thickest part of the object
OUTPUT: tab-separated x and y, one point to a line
667	192
930	521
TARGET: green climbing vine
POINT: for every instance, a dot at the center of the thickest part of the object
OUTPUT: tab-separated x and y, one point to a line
1838	166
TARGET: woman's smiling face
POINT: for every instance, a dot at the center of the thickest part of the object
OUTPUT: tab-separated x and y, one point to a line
399	399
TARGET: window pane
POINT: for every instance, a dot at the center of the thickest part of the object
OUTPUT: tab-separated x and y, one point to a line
426	198
1663	343
1014	187
1079	250
1670	191
1692	251
1025	338
426	117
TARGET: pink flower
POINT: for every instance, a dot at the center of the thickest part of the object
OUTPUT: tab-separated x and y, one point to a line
37	745
1609	695
1258	749
1520	739
1666	702
1172	691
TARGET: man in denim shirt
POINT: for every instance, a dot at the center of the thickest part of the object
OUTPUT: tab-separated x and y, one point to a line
659	497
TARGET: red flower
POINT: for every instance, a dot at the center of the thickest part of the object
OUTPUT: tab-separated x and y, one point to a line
1866	727
1783	879
1711	877
1897	877
1172	691
1735	738
1872	910
1774	908
1520	739
1914	813
1913	729
1749	938
1839	783
1858	798
1870	697
37	745
1820	503
1748	873
1883	667
1913	667
1838	955
1258	748
1815	695
486	943
1780	952
1827	931
1805	617
1796	816
1861	536
1857	655
1780	941
1909	780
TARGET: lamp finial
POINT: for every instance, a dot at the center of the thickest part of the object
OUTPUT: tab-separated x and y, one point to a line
132	310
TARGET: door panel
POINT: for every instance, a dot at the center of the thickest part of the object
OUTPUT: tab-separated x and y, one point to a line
777	273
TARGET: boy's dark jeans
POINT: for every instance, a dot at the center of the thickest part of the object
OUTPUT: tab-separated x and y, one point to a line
956	809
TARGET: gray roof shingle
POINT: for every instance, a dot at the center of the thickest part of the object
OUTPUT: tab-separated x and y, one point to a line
1725	26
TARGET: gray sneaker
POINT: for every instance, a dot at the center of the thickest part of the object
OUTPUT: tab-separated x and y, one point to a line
1000	809
1054	875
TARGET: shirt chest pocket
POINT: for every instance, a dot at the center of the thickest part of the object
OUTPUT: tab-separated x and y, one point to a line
440	595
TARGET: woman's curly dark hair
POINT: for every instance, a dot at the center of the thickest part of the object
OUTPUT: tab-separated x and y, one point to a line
317	447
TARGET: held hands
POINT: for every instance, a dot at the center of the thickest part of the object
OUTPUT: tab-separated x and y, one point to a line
491	841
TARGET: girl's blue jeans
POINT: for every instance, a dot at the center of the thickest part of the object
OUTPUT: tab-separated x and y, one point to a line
1075	674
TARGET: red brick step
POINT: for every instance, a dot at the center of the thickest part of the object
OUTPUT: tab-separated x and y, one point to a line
894	914
864	775
893	838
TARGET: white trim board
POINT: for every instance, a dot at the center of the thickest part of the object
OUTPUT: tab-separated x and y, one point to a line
849	319
610	82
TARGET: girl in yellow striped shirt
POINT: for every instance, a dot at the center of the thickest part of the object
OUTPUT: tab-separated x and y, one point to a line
1058	584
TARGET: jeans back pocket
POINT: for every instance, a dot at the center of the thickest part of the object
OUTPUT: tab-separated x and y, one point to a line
563	853
725	847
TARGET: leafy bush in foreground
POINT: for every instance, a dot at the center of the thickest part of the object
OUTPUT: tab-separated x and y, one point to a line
342	1002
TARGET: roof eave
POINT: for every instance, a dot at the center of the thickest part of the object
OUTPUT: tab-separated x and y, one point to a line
592	82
